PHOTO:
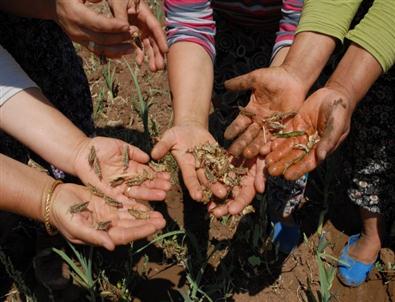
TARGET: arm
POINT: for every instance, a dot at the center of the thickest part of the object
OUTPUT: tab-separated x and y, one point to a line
24	190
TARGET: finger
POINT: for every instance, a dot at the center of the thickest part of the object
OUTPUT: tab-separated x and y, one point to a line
265	149
252	150
100	23
243	140
289	159
140	192
243	82
220	210
121	235
279	149
164	145
190	178
297	170
106	39
243	199
159	58
160	184
156	30
260	177
132	222
138	155
150	53
240	123
120	11
330	140
114	51
93	236
218	189
163	175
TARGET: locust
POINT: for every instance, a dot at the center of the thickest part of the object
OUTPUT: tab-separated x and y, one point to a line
97	169
125	157
95	191
284	134
246	112
137	40
117	181
79	207
112	202
92	156
138	214
139	179
103	225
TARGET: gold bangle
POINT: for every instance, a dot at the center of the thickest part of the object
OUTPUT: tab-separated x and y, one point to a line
51	230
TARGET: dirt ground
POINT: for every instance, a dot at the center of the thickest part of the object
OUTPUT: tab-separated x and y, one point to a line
214	260
242	267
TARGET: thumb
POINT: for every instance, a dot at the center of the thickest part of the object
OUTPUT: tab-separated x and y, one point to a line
331	138
164	145
95	237
243	82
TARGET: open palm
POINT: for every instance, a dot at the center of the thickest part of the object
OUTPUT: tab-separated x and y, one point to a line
81	227
326	113
274	89
110	153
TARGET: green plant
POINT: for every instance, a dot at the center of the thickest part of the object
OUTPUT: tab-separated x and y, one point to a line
109	77
99	105
82	273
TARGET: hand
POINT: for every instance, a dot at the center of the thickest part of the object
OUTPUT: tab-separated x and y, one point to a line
110	36
109	153
327	112
274	89
179	140
80	227
242	195
137	13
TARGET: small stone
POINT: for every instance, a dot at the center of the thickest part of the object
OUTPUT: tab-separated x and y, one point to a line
363	184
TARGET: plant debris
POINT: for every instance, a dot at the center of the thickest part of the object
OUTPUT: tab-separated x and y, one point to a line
31	163
217	166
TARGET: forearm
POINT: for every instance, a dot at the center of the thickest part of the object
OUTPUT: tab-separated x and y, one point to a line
355	74
29	118
191	82
41	9
308	55
22	188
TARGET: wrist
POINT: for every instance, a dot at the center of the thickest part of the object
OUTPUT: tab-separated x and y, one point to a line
191	122
343	90
80	150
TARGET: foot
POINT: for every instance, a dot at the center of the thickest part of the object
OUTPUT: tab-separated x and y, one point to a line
365	249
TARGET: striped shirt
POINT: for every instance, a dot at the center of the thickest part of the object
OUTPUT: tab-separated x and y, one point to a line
192	20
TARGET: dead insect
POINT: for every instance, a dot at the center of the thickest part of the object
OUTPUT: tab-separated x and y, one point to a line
92	156
97	169
125	157
117	181
95	191
247	210
246	112
210	175
139	179
112	202
207	194
103	225
137	40
31	163
79	207
138	214
282	134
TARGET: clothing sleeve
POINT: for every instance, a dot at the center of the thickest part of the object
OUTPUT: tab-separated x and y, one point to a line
376	32
12	77
329	17
291	11
190	21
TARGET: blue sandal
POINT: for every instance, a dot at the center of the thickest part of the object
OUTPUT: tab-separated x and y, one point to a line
286	236
352	272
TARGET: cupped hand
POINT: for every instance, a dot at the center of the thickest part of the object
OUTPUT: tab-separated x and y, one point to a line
180	141
274	89
153	38
111	160
242	195
327	112
110	36
81	227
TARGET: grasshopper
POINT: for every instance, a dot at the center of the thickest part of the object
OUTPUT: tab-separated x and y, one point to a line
92	156
141	215
95	191
125	157
112	202
79	207
103	225
284	134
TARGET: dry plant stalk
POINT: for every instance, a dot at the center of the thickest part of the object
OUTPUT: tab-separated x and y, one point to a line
31	163
139	214
103	225
217	166
79	207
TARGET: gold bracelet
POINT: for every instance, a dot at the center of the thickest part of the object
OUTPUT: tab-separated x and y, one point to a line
47	208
